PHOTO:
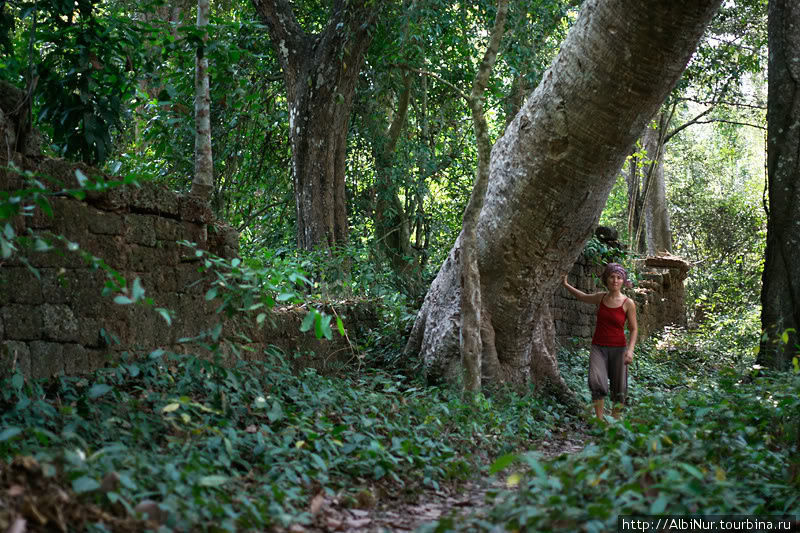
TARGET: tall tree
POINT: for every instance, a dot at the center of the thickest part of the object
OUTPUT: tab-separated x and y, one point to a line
780	294
550	175
716	79
320	71
471	342
203	181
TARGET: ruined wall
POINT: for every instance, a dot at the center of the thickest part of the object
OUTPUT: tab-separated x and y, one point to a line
659	295
60	322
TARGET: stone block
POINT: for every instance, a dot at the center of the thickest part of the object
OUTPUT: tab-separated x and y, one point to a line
58	323
71	217
15	354
144	258
42	220
76	360
168	229
193	209
153	198
89	332
105	223
96	358
59	256
22	322
47	359
19	285
196	233
140	229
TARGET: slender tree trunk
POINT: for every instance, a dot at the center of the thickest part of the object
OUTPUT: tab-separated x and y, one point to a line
470	342
320	72
657	220
550	175
203	182
392	226
780	294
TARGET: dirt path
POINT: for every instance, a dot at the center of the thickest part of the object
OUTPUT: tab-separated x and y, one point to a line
461	499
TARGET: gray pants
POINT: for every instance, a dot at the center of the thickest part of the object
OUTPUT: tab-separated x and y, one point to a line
607	363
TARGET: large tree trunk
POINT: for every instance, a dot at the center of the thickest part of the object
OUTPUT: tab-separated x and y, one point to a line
550	175
320	72
780	294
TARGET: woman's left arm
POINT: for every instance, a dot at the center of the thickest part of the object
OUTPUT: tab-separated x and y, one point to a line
633	330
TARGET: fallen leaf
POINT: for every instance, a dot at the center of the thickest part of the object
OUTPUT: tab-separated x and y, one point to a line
19	526
251	428
15	490
358	522
316	503
334	524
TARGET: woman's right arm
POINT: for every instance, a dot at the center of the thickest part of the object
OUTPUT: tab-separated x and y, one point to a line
594	298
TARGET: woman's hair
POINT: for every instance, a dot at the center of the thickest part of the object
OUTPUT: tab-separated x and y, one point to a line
615	268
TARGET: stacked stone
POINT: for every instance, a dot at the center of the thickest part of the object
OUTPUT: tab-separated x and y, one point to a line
59	322
575	320
659	295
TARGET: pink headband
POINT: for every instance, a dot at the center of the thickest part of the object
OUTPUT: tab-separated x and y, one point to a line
616	268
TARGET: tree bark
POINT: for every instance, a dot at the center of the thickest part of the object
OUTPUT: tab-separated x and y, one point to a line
654	226
780	294
203	182
470	341
320	72
550	175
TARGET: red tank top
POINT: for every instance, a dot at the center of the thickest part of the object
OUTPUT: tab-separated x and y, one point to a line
610	329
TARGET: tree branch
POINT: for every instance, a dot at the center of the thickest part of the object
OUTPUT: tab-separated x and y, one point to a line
435	76
734	122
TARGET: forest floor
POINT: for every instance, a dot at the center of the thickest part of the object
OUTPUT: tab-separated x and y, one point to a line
454	500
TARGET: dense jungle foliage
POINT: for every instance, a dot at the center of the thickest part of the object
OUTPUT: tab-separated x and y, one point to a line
201	445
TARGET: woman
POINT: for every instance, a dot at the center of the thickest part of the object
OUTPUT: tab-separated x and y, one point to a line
611	353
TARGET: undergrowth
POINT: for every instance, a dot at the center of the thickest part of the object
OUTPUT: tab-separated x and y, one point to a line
230	449
707	432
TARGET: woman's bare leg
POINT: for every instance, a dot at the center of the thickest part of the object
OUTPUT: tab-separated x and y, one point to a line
599	407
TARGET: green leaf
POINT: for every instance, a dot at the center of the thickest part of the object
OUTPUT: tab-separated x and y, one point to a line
276	413
260	318
692	470
121	299
308	321
137	290
165	314
340	326
213	481
81	177
85	484
660	504
211	294
216	332
9	433
284	296
170	407
98	389
502	462
17	381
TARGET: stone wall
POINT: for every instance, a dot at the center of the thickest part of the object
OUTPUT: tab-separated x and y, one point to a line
659	295
59	322
56	320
